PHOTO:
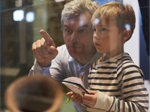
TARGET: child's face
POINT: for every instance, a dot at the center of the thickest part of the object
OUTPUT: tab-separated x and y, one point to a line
107	38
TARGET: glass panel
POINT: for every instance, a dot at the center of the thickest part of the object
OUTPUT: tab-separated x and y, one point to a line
20	23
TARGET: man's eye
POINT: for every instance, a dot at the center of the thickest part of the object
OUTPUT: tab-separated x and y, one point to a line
67	31
82	30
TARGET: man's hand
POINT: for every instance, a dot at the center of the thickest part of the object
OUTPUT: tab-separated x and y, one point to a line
44	49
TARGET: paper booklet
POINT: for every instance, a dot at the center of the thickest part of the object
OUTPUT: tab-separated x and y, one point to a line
75	84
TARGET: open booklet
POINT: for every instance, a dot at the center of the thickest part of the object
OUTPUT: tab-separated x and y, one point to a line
75	84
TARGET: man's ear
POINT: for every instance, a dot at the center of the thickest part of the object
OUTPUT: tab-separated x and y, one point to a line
126	35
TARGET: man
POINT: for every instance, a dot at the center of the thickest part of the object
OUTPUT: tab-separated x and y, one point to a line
77	55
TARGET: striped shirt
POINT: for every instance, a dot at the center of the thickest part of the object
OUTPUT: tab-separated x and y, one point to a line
120	84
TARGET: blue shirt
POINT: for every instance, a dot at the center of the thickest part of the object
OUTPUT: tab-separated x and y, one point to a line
64	66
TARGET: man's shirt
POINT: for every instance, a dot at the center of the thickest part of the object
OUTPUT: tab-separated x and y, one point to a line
64	66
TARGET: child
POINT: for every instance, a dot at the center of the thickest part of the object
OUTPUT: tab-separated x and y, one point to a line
116	83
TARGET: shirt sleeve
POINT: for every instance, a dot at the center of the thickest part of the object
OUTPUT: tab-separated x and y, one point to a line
45	70
135	95
36	69
55	69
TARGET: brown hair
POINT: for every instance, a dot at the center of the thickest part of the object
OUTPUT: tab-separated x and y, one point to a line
119	13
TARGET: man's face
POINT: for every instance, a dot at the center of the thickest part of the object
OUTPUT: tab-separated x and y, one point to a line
78	35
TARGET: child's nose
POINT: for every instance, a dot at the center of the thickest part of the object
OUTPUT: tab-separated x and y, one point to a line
95	35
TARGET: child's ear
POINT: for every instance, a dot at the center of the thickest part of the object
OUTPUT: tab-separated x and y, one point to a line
126	35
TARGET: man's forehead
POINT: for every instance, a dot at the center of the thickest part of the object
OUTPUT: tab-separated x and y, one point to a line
79	22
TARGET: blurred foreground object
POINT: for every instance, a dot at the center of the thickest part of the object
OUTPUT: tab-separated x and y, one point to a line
35	93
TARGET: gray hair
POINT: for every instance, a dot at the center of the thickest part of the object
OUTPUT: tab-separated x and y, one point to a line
77	7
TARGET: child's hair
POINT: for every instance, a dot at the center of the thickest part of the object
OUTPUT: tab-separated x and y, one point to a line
122	15
77	7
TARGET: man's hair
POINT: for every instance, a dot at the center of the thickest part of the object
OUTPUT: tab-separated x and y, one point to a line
121	14
76	7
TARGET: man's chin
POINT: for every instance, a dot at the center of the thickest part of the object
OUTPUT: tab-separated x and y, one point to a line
75	54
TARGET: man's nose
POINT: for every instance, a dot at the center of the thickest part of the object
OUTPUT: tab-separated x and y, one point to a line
74	37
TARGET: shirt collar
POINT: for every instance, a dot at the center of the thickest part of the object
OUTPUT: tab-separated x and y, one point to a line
92	60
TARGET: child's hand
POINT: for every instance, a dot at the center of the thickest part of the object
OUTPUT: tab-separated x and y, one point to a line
90	99
75	97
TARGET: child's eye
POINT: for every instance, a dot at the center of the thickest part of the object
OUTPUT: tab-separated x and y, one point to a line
94	29
103	29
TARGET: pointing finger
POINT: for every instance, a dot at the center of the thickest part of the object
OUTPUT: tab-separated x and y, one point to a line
48	39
